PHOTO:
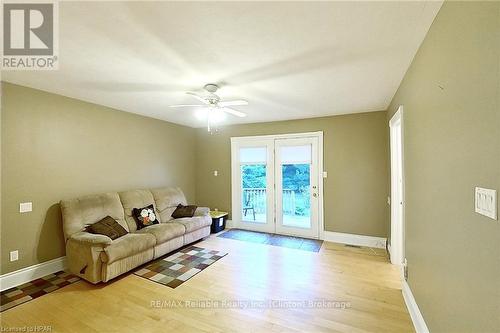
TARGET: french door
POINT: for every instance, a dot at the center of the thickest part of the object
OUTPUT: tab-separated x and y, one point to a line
276	184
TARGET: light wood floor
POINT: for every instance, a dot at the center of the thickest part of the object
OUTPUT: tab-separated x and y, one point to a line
363	277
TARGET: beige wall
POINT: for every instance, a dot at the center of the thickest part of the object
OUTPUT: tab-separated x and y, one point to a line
56	148
451	104
355	156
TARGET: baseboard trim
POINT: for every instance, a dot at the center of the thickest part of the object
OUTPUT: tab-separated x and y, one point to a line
352	239
30	273
415	314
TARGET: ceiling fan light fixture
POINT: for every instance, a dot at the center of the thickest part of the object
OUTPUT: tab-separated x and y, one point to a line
211	87
214	109
216	115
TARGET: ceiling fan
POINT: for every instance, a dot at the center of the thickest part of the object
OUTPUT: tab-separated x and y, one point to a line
213	102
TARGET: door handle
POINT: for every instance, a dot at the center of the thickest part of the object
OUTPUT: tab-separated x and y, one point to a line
315	195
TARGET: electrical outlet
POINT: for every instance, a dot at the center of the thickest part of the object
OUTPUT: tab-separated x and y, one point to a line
25	207
14	255
486	202
216	173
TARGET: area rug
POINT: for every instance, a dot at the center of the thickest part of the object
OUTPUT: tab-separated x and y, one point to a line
179	267
298	243
34	289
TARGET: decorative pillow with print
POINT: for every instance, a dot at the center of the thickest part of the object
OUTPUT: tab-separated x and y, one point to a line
145	216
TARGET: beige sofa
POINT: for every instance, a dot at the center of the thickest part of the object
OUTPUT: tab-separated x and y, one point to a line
97	258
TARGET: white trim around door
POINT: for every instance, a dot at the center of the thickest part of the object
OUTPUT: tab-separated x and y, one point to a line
397	187
268	141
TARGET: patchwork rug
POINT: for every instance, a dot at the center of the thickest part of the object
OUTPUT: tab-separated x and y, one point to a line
179	267
305	244
36	288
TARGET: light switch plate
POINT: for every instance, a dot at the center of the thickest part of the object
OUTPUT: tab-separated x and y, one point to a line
14	255
325	174
25	207
216	173
486	202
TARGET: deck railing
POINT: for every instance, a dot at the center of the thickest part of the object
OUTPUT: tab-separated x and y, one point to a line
256	198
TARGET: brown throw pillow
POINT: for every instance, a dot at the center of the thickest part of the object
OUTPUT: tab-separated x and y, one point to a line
184	211
145	216
107	227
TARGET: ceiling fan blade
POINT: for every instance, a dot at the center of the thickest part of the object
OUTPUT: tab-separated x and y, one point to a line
233	103
185	105
234	112
198	97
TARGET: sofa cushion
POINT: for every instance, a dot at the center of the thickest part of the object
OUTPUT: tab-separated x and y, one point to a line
164	232
80	212
136	199
195	222
167	199
127	246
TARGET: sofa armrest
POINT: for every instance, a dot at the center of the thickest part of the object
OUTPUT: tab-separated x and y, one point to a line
202	211
91	239
83	254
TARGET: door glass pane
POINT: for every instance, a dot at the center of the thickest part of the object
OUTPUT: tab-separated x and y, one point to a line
296	154
253	182
296	200
253	155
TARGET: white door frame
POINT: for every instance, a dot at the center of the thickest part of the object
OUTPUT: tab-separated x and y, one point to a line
235	174
397	190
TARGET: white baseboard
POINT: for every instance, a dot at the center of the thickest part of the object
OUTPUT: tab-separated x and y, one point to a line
30	273
352	239
415	314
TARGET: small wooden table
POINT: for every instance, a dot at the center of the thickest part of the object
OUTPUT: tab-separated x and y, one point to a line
218	221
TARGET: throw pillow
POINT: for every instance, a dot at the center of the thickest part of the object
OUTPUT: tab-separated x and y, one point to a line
107	227
145	216
184	211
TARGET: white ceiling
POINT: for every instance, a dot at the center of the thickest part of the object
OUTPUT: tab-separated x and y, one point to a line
290	60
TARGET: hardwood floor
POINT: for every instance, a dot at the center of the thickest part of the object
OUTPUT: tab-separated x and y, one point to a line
363	278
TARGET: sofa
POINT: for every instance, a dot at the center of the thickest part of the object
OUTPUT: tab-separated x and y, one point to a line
98	258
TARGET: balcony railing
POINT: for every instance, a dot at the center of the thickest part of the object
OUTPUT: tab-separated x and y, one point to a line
256	198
